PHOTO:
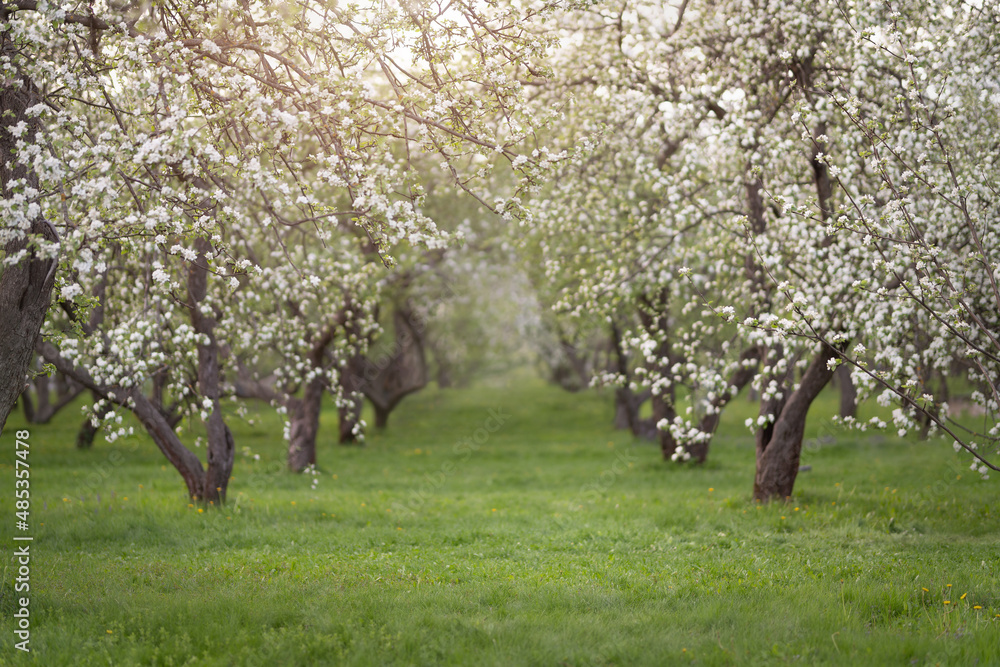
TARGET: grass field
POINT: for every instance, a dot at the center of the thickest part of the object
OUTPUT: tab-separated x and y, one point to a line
552	540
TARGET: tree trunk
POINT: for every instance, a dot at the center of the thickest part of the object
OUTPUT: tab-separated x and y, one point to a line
350	417
848	392
628	407
155	423
403	373
221	448
663	409
654	316
85	436
42	409
45	410
305	426
25	287
745	371
628	404
381	417
780	444
182	458
27	405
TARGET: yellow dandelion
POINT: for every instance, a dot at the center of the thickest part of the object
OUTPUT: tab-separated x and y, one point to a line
494	509
108	631
293	502
963	596
200	510
977	607
125	498
190	505
710	489
924	589
947	601
796	509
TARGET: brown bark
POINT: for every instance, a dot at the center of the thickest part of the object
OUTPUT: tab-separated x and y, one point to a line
821	176
654	316
663	409
221	448
571	372
45	410
155	423
748	363
305	426
397	376
26	287
350	415
628	403
306	410
848	392
780	444
85	436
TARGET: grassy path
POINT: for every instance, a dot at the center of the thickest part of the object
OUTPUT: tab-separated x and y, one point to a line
548	539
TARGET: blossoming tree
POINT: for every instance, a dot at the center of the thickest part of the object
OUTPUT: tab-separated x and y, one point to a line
153	144
781	188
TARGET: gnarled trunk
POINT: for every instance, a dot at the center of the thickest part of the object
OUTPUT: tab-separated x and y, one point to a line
779	445
402	373
45	409
156	424
25	287
628	406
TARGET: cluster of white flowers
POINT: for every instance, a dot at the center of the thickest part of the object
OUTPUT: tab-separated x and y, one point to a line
797	212
228	198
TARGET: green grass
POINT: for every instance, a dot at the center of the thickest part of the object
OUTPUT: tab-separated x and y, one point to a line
557	542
